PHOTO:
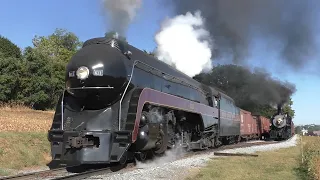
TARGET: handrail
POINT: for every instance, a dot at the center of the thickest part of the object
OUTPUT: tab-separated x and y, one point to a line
62	109
125	90
76	88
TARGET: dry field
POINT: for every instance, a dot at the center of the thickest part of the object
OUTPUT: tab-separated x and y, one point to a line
19	119
23	139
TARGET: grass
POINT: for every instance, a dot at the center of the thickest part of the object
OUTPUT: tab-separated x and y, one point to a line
19	150
4	172
277	165
23	138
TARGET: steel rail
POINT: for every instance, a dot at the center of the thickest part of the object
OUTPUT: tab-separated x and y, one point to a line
33	175
84	175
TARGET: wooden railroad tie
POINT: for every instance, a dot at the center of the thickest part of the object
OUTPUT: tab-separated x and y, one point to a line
234	154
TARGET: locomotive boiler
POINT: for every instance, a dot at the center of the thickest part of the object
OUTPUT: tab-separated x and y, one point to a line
281	127
119	103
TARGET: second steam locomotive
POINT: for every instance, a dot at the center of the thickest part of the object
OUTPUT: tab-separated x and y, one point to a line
282	126
120	103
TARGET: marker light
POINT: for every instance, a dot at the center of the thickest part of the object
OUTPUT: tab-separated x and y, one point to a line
82	73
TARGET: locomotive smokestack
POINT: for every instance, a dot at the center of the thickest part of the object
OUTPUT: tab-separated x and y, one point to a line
279	108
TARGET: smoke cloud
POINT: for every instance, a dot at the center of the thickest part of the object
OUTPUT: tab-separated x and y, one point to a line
287	27
184	43
121	13
248	88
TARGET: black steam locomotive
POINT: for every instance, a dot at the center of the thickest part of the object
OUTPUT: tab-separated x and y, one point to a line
281	125
120	103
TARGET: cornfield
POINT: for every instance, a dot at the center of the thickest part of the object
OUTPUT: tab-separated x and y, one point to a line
311	156
22	119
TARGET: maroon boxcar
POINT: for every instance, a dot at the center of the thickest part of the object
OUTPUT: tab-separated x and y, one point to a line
263	125
248	126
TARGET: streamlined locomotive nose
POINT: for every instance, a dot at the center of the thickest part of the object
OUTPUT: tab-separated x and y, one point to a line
97	71
97	65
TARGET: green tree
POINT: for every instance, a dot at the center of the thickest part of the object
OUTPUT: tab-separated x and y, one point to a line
44	68
297	129
288	108
8	48
37	87
59	46
10	71
10	68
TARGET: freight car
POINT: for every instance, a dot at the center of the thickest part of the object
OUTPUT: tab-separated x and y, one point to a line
121	103
263	126
249	126
282	126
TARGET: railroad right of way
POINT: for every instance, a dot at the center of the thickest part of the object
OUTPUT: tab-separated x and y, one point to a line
170	157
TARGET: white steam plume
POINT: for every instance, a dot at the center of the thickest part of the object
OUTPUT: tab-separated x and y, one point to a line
121	13
168	157
184	43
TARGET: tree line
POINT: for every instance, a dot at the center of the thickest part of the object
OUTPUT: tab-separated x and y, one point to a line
34	76
309	127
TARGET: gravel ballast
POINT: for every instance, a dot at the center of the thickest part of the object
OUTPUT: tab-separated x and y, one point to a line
169	167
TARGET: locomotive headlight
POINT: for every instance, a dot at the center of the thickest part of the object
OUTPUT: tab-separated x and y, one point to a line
279	120
82	73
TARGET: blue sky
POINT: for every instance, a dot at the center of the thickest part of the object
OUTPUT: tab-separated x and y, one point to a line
22	20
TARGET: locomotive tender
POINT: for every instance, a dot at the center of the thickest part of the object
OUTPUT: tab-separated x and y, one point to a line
120	102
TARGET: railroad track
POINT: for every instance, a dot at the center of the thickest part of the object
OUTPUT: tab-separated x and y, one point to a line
85	174
37	175
234	154
63	174
96	172
232	146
